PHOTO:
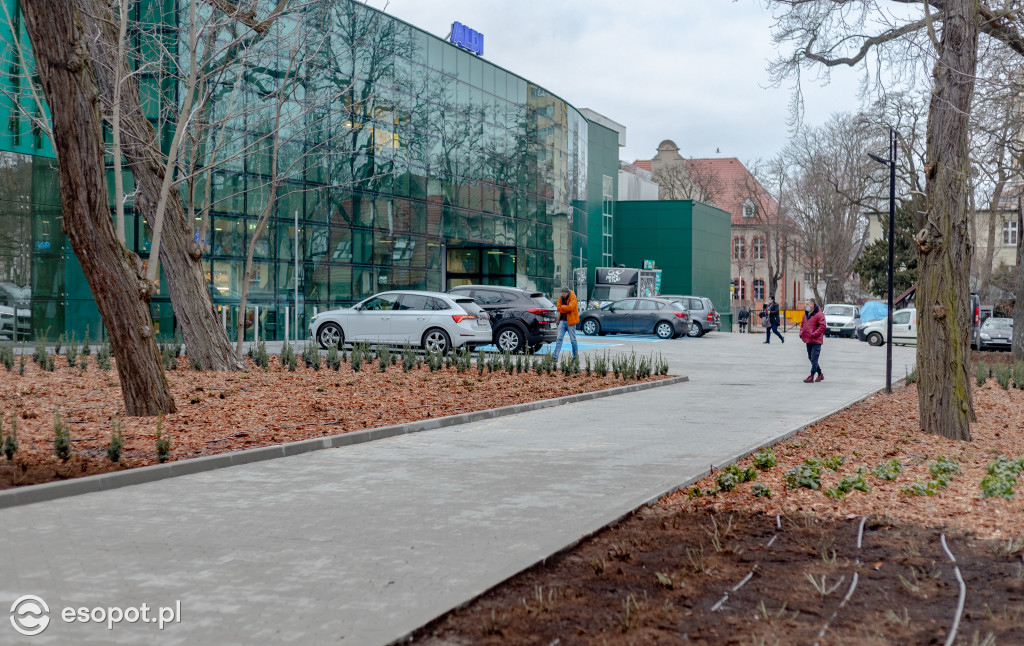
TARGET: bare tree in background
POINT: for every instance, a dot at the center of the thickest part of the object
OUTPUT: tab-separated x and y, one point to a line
830	173
902	40
687	180
114	274
766	186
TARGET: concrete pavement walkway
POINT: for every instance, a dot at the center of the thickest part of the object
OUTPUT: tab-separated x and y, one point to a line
363	544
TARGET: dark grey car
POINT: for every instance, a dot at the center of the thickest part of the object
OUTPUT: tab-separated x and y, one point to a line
996	333
659	316
703	316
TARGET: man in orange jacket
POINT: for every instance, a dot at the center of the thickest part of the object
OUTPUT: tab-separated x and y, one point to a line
568	317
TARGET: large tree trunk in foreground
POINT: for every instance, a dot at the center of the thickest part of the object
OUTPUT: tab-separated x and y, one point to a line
114	273
943	291
180	255
1018	301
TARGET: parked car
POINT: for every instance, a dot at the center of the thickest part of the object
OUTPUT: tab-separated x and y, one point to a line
520	318
996	333
7	323
841	320
435	321
667	319
904	328
703	316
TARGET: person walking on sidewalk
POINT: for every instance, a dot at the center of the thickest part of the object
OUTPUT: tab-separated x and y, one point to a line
771	311
812	332
568	317
743	317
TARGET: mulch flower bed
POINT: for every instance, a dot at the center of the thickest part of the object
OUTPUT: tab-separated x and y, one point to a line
228	411
719	564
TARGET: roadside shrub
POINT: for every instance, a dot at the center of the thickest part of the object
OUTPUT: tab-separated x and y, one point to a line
1018	375
1003	373
888	470
981	374
911	377
408	358
357	357
49	364
661	366
481	361
39	355
61	438
311	355
287	352
116	440
765	460
103	356
10	440
71	351
83	362
60	344
333	360
7	355
601	365
587	365
163	441
259	354
21	365
383	357
86	350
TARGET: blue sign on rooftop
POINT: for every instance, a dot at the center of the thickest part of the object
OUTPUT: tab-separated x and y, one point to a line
466	38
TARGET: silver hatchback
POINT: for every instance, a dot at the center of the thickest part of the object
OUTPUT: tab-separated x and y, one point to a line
703	316
434	321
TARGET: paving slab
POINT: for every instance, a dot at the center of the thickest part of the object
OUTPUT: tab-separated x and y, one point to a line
363	544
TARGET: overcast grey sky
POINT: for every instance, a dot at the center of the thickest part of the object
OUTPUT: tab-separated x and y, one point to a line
688	70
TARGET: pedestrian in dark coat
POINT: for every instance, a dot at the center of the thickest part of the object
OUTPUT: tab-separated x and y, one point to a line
743	317
812	332
770	313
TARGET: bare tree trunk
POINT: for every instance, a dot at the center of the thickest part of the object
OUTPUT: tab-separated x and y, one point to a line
114	274
181	257
1018	301
944	390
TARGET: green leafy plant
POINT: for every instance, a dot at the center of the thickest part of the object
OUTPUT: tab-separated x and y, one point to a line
765	460
848	484
357	357
40	354
1002	477
260	356
287	352
922	487
71	351
383	357
761	491
806	475
333	361
103	356
601	365
311	355
163	441
943	470
61	437
116	440
911	377
86	350
888	470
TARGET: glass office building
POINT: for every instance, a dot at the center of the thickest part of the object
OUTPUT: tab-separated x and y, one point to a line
402	162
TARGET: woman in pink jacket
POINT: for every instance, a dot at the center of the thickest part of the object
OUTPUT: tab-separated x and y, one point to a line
812	332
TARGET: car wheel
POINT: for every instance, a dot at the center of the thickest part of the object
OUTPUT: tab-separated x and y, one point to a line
509	339
664	330
436	340
875	339
590	327
330	334
695	330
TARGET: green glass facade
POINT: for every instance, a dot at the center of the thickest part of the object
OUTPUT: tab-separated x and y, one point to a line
602	193
409	163
689	241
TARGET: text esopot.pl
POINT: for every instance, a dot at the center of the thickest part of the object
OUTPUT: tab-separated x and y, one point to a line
30	615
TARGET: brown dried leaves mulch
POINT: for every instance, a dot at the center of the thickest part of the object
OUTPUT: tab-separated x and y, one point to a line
220	412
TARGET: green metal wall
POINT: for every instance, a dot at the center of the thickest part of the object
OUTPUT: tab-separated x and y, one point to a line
603	159
687	240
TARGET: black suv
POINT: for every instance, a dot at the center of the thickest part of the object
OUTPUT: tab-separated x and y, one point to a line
520	318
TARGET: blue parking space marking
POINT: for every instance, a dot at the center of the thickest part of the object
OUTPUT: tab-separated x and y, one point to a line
589	342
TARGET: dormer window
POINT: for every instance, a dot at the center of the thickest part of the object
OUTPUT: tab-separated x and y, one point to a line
749	210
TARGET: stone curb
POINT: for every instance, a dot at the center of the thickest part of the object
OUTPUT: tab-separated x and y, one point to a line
618	518
106	481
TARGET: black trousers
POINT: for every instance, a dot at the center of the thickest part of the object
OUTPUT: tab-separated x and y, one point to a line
772	327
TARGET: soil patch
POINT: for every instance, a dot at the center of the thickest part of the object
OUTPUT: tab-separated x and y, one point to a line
221	412
662	575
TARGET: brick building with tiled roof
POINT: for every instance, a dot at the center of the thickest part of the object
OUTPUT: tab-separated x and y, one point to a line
757	231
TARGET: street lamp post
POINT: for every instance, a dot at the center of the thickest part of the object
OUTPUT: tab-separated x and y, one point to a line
892	250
